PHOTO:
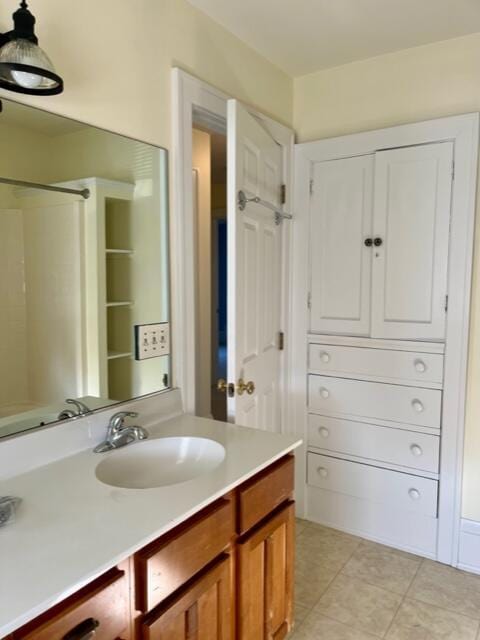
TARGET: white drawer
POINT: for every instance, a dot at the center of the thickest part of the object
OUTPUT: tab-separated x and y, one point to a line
407	367
339	397
418	451
401	490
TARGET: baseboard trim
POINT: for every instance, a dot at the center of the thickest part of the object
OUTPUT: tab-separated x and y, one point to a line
469	546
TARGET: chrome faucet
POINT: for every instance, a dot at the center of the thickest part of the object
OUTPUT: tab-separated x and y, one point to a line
119	435
82	410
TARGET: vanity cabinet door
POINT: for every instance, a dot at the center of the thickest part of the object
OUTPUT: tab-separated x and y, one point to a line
265	579
203	611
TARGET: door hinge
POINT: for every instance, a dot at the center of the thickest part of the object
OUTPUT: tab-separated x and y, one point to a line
309	300
283	193
311	187
281	341
446	303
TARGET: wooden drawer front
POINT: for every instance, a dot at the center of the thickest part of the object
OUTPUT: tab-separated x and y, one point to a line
261	495
203	611
107	605
408	492
395	403
407	367
382	444
265	579
164	566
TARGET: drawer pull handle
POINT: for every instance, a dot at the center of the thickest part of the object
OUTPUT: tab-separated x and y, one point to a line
322	472
325	393
416	450
324	356
418	406
414	494
324	432
83	631
420	366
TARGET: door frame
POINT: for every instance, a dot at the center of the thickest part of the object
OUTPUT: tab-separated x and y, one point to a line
463	130
195	100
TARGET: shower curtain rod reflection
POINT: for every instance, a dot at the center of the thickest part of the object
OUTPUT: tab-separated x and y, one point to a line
85	193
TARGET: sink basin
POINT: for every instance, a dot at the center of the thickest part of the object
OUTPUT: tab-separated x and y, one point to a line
160	462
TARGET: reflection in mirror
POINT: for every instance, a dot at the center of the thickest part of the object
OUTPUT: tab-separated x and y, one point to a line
83	275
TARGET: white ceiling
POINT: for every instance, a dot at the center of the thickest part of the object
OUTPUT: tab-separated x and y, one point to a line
301	36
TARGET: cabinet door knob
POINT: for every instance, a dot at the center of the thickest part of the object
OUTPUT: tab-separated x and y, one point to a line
414	494
324	356
416	450
378	242
322	472
368	242
325	393
420	366
418	406
324	432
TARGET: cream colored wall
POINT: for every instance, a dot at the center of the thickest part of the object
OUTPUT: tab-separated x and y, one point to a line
116	56
201	158
416	84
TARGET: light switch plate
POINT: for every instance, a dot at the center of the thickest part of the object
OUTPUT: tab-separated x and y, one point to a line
152	340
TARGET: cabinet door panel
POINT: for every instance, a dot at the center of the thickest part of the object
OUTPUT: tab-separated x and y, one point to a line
341	220
265	579
202	611
412	217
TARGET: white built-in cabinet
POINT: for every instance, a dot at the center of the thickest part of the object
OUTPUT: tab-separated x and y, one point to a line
379	247
379	243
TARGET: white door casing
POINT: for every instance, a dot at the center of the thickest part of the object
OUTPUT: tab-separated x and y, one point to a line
412	204
341	221
254	165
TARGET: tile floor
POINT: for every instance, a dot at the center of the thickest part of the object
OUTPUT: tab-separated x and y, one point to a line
351	589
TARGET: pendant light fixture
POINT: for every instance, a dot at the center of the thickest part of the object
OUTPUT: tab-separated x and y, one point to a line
24	67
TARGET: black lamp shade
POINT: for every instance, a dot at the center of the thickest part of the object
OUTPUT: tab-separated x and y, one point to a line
24	66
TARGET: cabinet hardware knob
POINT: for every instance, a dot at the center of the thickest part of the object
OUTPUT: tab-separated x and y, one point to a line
418	406
420	366
325	393
368	242
378	242
416	450
324	356
414	494
83	631
324	432
322	472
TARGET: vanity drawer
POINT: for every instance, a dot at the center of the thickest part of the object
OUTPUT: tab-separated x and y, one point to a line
401	490
102	607
356	398
407	367
381	444
264	493
167	564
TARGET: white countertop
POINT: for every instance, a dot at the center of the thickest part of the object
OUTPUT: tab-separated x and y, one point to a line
70	527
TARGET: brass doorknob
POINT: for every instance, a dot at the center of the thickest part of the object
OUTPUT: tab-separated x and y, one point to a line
225	387
243	386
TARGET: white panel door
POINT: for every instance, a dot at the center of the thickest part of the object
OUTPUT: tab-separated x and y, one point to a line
411	221
341	222
254	271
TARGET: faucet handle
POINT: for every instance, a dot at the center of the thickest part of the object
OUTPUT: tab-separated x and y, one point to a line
117	420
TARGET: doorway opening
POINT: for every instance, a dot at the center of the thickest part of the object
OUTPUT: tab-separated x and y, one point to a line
209	175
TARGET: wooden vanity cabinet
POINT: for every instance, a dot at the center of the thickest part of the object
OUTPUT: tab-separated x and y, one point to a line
265	578
224	574
203	610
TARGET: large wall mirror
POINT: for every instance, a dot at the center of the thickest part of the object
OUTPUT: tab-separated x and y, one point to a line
84	269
